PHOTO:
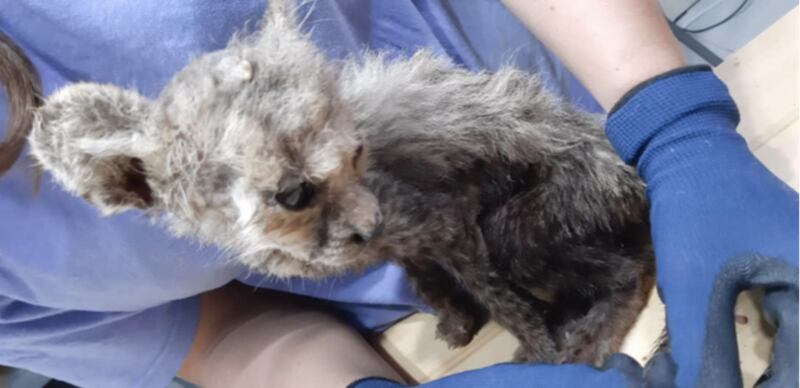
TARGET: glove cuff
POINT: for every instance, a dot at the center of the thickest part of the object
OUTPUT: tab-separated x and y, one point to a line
652	107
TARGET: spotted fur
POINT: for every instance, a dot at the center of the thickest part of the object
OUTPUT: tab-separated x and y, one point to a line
499	200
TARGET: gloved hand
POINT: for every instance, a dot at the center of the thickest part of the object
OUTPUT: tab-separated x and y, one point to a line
619	371
721	222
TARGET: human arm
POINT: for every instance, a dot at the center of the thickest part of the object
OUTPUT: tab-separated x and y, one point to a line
610	46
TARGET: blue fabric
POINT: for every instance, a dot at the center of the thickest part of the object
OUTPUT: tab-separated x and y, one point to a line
109	301
712	202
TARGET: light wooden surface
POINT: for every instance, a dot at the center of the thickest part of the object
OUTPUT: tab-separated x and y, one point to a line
763	79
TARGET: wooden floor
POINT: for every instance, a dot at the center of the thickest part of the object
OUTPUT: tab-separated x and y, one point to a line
763	79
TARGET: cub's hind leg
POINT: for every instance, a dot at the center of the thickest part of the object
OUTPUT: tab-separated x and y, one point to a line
594	336
524	317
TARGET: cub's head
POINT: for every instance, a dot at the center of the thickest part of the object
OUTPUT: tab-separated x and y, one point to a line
249	147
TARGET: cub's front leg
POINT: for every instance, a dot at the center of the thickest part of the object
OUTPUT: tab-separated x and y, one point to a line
460	315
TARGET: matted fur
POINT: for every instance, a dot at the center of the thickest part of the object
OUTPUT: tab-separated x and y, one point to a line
499	200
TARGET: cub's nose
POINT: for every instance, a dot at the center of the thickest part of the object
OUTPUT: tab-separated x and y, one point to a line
367	228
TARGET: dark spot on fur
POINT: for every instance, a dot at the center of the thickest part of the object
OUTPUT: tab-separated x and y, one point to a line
322	227
357	155
136	182
223	178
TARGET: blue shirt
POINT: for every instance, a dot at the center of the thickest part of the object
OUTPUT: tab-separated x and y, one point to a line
111	301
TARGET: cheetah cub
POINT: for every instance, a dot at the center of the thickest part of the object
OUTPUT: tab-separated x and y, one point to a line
498	200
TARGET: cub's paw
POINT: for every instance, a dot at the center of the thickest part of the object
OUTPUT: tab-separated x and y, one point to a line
457	331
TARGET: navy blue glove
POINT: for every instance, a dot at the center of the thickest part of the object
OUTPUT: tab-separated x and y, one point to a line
619	371
721	223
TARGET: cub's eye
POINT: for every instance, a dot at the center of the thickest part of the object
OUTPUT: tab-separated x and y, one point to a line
296	197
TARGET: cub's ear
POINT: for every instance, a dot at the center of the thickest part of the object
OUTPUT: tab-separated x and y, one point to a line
92	139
